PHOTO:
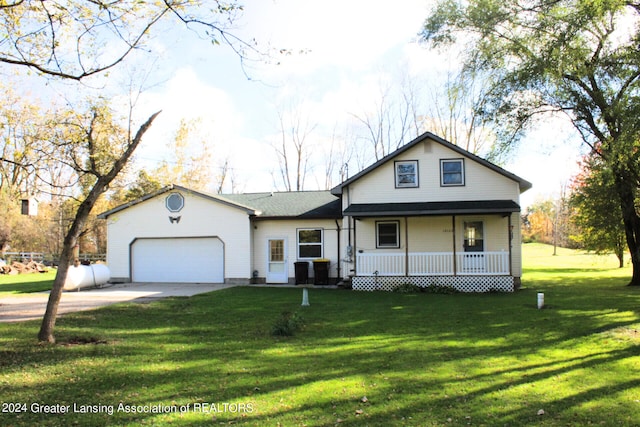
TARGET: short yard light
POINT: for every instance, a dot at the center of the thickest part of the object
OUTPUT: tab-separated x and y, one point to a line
305	297
540	300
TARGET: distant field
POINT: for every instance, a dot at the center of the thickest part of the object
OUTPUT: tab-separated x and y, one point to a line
540	255
570	267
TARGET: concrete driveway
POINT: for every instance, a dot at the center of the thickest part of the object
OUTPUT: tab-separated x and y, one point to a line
21	307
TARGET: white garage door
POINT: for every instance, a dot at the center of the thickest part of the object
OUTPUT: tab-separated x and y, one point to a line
188	260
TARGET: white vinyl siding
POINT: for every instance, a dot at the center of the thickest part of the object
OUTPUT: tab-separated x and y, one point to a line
200	217
481	183
288	229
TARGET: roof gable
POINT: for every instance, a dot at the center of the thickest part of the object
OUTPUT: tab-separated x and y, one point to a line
295	204
165	190
523	184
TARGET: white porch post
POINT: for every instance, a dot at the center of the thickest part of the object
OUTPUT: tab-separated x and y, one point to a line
355	252
510	236
406	246
453	226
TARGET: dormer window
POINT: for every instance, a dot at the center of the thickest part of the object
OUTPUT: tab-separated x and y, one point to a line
406	174
451	172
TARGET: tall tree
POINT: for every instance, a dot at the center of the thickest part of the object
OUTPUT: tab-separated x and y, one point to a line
190	164
596	214
97	149
22	133
145	183
577	57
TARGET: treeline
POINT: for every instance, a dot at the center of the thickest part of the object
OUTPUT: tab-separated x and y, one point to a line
584	215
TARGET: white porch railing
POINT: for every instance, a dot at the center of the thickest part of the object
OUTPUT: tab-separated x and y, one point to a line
432	264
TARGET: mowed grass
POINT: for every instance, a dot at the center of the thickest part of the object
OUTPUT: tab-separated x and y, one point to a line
26	283
363	359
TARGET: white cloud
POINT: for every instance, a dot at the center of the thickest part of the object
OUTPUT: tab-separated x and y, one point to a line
347	34
186	97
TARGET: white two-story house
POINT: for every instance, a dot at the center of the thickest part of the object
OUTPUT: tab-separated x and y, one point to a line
430	214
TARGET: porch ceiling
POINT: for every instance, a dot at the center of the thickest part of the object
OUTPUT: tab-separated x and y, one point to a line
433	208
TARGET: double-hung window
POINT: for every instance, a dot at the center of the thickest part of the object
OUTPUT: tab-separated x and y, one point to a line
387	234
406	174
451	172
310	243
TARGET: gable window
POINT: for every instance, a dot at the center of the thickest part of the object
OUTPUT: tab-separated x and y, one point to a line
406	174
451	172
174	202
387	234
310	243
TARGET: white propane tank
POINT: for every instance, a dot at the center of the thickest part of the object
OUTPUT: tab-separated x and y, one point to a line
84	276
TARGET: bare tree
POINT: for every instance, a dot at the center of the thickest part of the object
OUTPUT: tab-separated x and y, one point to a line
392	120
293	150
454	114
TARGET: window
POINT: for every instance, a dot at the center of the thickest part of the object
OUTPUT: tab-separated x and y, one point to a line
276	250
451	172
310	243
175	202
388	234
406	174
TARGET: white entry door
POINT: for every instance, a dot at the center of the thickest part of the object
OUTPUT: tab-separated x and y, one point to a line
277	269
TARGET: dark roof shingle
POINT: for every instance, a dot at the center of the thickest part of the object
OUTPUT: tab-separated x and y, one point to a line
296	204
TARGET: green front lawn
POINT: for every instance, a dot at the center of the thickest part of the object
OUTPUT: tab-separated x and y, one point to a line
364	358
26	283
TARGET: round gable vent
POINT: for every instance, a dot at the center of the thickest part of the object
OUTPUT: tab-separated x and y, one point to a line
175	202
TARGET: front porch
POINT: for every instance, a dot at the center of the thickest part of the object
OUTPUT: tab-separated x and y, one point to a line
466	271
467	245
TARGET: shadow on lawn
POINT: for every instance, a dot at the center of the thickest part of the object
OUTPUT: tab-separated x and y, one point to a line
430	357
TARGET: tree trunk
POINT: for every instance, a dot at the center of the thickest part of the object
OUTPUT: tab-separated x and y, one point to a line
66	259
49	319
631	222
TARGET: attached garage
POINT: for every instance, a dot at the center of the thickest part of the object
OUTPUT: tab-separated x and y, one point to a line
178	259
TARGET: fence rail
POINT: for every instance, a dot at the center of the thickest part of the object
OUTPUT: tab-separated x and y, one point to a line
432	263
42	257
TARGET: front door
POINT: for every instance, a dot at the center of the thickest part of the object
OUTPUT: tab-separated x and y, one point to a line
277	271
474	261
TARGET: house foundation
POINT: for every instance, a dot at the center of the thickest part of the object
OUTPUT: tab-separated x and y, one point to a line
460	283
